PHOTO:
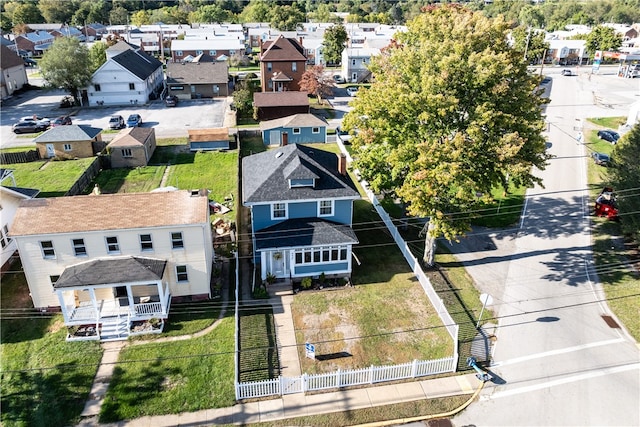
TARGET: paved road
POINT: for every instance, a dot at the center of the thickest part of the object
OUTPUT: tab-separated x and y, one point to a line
556	361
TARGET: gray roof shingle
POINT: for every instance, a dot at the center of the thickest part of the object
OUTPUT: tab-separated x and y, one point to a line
69	133
304	232
110	271
265	176
139	63
296	120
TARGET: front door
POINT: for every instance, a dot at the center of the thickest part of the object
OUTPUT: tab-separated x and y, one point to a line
278	264
50	151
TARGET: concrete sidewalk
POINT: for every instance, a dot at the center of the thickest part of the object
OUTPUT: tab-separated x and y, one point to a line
298	405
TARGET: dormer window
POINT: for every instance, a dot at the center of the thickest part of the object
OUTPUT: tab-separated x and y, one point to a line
301	182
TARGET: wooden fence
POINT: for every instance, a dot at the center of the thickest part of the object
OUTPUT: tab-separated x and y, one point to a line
19	157
86	178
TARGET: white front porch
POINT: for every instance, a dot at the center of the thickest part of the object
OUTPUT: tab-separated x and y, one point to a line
109	313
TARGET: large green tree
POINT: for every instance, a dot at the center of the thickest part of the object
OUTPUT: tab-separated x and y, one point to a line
531	43
335	39
66	65
624	177
603	38
452	115
97	55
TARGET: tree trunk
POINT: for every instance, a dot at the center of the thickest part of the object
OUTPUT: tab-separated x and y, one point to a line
429	256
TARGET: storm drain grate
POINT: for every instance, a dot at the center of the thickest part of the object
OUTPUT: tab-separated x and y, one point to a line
610	322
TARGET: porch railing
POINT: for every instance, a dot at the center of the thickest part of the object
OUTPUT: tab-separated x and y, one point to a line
148	309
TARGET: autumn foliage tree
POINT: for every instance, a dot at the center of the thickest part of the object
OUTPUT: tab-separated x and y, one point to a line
452	115
316	82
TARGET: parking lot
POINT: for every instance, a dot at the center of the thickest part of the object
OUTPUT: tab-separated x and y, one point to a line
167	121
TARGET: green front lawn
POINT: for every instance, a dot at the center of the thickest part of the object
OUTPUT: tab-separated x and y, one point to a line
173	377
45	380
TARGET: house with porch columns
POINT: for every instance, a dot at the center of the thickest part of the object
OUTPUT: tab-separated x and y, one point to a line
114	262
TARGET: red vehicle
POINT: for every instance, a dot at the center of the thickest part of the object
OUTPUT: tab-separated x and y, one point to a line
606	204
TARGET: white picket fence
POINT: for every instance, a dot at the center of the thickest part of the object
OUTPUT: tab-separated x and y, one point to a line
338	379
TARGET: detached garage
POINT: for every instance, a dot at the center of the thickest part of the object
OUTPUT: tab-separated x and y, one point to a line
209	139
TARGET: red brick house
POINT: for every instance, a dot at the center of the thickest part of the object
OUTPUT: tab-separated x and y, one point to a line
282	64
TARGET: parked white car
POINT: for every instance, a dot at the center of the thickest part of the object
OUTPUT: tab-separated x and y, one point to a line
352	90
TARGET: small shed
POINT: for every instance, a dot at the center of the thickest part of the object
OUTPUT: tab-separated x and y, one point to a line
209	139
68	142
296	129
132	147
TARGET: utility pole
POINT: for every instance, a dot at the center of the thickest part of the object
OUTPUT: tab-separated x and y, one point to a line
526	46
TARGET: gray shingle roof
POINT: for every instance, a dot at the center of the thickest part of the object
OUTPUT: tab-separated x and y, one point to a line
112	270
296	120
139	63
304	232
265	176
69	133
197	72
280	99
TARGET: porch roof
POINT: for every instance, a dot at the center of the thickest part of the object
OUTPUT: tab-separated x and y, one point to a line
302	232
111	271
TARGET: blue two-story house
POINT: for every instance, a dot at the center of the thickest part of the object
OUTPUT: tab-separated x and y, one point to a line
301	201
295	129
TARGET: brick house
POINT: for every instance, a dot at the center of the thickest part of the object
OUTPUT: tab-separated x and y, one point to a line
68	142
282	64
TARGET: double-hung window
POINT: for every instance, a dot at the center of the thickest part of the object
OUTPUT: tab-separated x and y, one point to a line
279	211
181	273
176	240
146	244
47	249
325	208
113	247
294	66
79	248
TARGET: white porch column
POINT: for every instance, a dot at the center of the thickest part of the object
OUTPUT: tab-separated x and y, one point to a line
263	265
130	298
161	295
94	301
63	306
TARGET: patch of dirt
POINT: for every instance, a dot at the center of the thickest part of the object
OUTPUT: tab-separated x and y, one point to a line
56	326
169	383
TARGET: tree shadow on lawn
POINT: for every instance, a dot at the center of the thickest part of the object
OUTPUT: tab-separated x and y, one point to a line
128	392
51	397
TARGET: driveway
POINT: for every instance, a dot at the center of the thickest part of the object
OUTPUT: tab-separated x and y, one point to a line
169	122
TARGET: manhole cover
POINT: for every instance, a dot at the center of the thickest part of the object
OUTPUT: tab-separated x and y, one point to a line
610	322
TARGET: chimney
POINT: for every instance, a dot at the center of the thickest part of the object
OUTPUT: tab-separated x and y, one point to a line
342	164
285	139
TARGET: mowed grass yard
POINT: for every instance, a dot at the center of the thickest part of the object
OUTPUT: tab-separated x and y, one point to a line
45	380
620	282
52	178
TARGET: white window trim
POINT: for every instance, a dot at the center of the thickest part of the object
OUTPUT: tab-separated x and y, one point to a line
150	242
106	242
52	248
322	250
127	153
82	245
67	147
333	208
286	211
186	272
315	130
174	241
296	131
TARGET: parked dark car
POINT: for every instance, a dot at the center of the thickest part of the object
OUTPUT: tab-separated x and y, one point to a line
134	120
61	121
343	135
601	159
116	122
28	127
171	101
30	62
609	135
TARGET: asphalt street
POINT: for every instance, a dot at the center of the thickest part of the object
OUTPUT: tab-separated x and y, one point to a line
556	362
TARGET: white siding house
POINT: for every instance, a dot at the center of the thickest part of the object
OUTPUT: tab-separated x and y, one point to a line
114	259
